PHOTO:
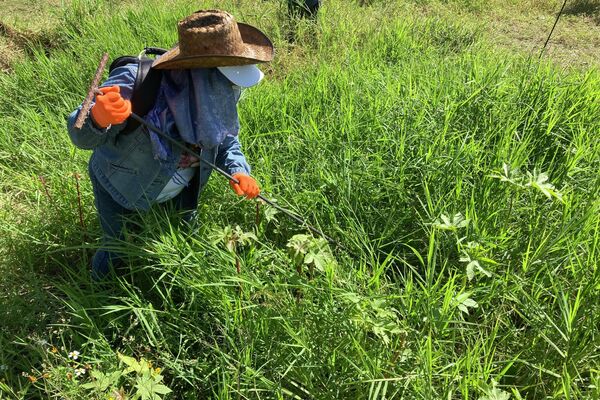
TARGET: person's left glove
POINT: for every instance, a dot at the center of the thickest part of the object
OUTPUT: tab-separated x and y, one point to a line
110	108
247	186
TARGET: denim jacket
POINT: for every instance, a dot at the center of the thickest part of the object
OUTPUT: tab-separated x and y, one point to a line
125	165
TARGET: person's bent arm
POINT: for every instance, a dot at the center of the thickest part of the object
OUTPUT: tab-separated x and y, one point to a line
230	157
92	134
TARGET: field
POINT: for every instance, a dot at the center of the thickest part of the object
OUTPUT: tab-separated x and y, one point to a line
459	170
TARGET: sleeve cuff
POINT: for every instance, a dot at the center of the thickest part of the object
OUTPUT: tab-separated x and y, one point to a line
95	128
234	171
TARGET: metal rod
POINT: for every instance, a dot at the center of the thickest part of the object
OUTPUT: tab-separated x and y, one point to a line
552	30
228	176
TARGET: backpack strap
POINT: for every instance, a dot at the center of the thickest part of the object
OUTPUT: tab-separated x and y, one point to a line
146	86
121	61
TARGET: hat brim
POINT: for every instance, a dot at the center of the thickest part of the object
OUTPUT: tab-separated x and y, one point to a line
242	75
257	49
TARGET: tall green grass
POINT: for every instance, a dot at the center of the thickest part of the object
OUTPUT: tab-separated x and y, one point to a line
463	180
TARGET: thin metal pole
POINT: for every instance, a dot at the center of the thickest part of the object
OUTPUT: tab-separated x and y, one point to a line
552	30
228	176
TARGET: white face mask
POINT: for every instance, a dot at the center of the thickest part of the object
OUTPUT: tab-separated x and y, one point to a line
243	75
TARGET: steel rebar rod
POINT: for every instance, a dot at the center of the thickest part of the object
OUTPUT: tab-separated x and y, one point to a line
85	107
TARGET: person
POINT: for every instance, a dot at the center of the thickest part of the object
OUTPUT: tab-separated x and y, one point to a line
300	10
303	8
202	79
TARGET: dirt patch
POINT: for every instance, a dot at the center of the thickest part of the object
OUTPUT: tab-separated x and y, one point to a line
15	43
9	53
523	27
574	43
23	23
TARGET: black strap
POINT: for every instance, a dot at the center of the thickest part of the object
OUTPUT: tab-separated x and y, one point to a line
156	51
146	86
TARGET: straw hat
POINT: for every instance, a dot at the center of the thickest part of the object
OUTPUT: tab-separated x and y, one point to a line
212	38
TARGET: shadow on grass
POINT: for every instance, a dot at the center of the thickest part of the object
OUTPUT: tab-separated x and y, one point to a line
589	8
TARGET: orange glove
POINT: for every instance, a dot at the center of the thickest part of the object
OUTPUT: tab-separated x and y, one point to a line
110	107
247	186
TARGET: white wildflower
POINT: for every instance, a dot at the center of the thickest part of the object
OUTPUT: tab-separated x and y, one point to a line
74	354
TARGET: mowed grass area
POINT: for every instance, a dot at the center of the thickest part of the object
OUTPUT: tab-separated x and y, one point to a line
521	26
463	180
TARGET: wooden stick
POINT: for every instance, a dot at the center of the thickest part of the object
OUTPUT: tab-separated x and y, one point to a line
85	108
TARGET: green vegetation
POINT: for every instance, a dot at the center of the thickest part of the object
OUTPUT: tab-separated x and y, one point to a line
463	179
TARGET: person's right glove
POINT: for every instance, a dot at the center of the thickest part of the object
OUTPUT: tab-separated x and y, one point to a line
110	108
247	185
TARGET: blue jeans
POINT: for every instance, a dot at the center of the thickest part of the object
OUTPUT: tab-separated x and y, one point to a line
113	217
112	220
